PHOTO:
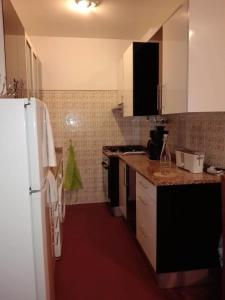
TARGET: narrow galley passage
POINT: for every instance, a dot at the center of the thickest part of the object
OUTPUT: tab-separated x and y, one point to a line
101	260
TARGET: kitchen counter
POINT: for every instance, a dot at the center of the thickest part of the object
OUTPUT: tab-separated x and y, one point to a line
150	169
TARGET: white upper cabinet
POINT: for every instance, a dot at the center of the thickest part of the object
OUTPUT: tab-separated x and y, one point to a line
29	70
128	82
19	66
120	81
175	63
206	78
194	58
33	69
14	51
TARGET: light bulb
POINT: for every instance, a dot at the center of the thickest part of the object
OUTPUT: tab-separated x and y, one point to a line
92	4
86	5
83	4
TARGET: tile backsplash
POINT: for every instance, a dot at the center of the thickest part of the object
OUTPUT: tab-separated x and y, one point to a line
96	125
201	132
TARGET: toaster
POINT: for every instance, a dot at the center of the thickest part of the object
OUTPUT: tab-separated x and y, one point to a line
191	161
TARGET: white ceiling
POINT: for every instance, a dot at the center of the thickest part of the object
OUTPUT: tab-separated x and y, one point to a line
116	19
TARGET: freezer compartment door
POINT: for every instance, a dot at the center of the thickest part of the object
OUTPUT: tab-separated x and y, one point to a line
37	143
43	244
17	280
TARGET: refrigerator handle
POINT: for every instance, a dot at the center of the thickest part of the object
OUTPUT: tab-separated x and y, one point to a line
33	191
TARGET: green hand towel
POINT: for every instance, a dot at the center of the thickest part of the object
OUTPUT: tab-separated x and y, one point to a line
72	179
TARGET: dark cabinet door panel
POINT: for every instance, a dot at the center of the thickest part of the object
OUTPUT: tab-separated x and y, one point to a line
145	78
188	227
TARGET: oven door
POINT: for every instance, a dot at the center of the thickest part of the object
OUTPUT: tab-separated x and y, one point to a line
105	167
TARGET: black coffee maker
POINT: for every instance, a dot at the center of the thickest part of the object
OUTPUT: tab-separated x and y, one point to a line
155	143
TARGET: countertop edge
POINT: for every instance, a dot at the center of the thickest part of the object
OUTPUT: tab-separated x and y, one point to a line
182	177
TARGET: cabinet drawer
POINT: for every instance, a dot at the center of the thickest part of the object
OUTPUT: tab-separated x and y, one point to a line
148	244
146	212
146	205
144	185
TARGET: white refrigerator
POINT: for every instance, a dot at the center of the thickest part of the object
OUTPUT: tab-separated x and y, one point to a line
26	266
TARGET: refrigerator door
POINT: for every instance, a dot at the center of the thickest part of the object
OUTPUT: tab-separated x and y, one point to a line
43	243
17	278
37	143
26	266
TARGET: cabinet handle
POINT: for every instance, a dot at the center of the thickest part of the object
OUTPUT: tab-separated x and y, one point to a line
125	176
162	87
158	98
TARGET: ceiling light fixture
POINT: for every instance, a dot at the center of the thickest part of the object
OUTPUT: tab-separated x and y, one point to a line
86	4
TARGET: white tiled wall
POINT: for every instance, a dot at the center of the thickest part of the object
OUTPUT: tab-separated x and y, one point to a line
97	125
201	132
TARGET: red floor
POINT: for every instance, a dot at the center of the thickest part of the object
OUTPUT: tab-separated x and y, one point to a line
102	261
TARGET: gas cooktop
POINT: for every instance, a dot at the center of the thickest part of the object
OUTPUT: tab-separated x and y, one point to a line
124	148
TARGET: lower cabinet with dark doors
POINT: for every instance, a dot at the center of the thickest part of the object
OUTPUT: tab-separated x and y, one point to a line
123	188
127	194
179	226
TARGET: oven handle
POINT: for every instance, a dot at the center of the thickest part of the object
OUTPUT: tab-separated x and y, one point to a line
105	165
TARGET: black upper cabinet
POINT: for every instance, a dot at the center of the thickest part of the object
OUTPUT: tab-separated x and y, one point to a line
145	78
140	79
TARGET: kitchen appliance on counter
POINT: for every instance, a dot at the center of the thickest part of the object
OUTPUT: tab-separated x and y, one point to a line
27	264
155	143
191	161
110	164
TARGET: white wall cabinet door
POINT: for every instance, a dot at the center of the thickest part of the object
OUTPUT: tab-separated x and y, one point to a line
39	78
206	56
33	69
29	70
128	82
194	58
175	63
120	81
146	214
35	74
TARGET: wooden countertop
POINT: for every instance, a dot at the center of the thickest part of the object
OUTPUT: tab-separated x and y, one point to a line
150	169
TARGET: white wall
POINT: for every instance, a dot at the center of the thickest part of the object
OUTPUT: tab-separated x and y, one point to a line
79	63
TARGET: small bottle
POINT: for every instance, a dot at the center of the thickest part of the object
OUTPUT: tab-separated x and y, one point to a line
165	157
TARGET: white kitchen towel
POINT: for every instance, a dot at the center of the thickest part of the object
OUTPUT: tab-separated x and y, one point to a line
50	141
53	191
